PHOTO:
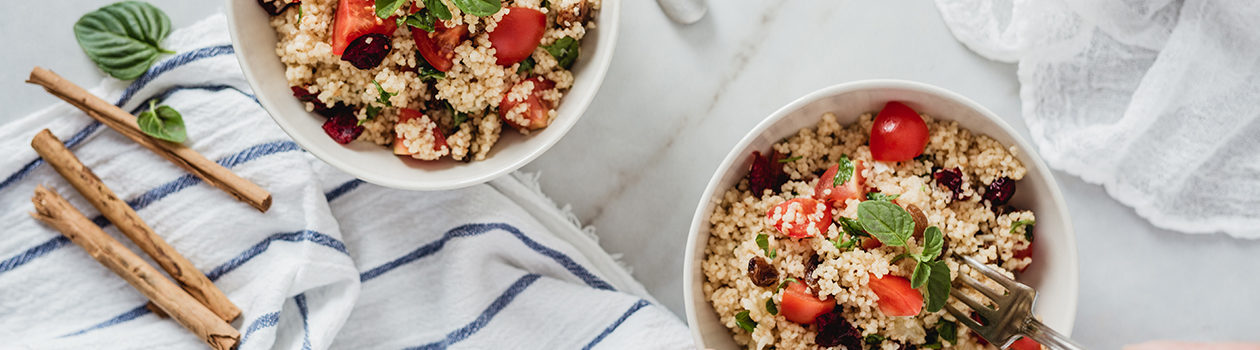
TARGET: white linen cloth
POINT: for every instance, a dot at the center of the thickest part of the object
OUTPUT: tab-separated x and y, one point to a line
1158	101
336	263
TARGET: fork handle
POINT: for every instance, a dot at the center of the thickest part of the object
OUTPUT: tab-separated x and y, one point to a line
1046	336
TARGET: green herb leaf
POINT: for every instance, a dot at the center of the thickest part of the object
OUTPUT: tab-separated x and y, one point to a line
936	345
933	241
300	12
845	245
938	286
526	66
427	72
372	112
1028	228
876	196
948	331
771	308
763	242
789	160
382	96
479	8
897	258
460	117
745	322
386	8
784	284
123	38
565	50
439	9
162	122
874	339
844	172
886	221
852	227
920	276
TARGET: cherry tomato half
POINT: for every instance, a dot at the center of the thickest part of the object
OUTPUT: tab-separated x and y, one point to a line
438	47
517	35
898	134
801	306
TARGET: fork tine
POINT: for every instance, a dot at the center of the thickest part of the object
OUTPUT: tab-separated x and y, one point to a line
976	306
990	273
964	318
980	287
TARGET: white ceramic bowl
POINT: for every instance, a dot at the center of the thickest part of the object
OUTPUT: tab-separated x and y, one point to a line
1054	271
255	44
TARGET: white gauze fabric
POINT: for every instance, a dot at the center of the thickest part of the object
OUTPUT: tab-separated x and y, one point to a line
1158	101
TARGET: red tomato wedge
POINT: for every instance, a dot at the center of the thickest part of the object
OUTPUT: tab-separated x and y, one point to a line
801	306
354	19
537	110
896	297
1025	343
406	114
801	217
438	47
517	35
837	195
898	134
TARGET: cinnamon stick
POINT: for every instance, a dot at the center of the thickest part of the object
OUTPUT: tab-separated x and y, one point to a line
128	221
55	211
125	123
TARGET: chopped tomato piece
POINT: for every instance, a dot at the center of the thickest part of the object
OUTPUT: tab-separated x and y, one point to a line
801	306
536	113
356	18
837	195
1025	343
801	217
1024	253
898	134
406	114
517	35
896	297
438	47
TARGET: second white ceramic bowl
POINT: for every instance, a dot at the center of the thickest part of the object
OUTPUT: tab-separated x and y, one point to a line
1053	272
255	44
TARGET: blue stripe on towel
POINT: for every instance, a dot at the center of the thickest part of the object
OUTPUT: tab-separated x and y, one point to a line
477	229
342	189
499	303
229	266
264	321
153	195
633	308
300	299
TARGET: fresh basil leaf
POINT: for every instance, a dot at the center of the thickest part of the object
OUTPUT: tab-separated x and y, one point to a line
745	322
565	50
123	38
886	221
526	66
763	242
938	286
479	8
852	227
386	8
920	276
874	339
785	283
897	258
933	241
372	112
439	10
162	122
844	171
460	117
771	308
789	160
876	196
426	71
1028	228
948	331
382	96
845	245
300	12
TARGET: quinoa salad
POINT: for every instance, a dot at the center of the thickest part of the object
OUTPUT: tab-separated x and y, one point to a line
850	236
430	79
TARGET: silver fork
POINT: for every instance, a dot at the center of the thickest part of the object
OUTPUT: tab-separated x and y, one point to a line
1013	316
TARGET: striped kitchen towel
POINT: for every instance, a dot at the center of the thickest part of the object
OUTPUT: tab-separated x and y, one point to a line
336	263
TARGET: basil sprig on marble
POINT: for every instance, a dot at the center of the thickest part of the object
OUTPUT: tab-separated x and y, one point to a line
162	122
123	39
893	226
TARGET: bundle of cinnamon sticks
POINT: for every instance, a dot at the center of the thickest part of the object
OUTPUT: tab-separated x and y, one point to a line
192	300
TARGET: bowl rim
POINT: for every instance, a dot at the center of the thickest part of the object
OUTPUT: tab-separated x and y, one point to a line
611	25
700	216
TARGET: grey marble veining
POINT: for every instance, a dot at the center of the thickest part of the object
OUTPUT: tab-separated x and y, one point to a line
676	98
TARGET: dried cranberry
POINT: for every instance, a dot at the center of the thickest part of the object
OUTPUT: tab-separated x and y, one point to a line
343	128
834	330
275	7
765	172
951	179
367	51
810	265
761	272
1000	191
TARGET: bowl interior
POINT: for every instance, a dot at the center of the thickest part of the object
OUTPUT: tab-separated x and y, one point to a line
255	44
1054	272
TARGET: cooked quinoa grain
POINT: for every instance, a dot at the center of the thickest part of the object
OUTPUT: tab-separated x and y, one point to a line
971	227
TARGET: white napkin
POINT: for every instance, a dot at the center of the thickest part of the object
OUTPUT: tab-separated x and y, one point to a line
1158	101
335	263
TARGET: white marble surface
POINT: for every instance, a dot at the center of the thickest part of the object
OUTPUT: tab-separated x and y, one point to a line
678	97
